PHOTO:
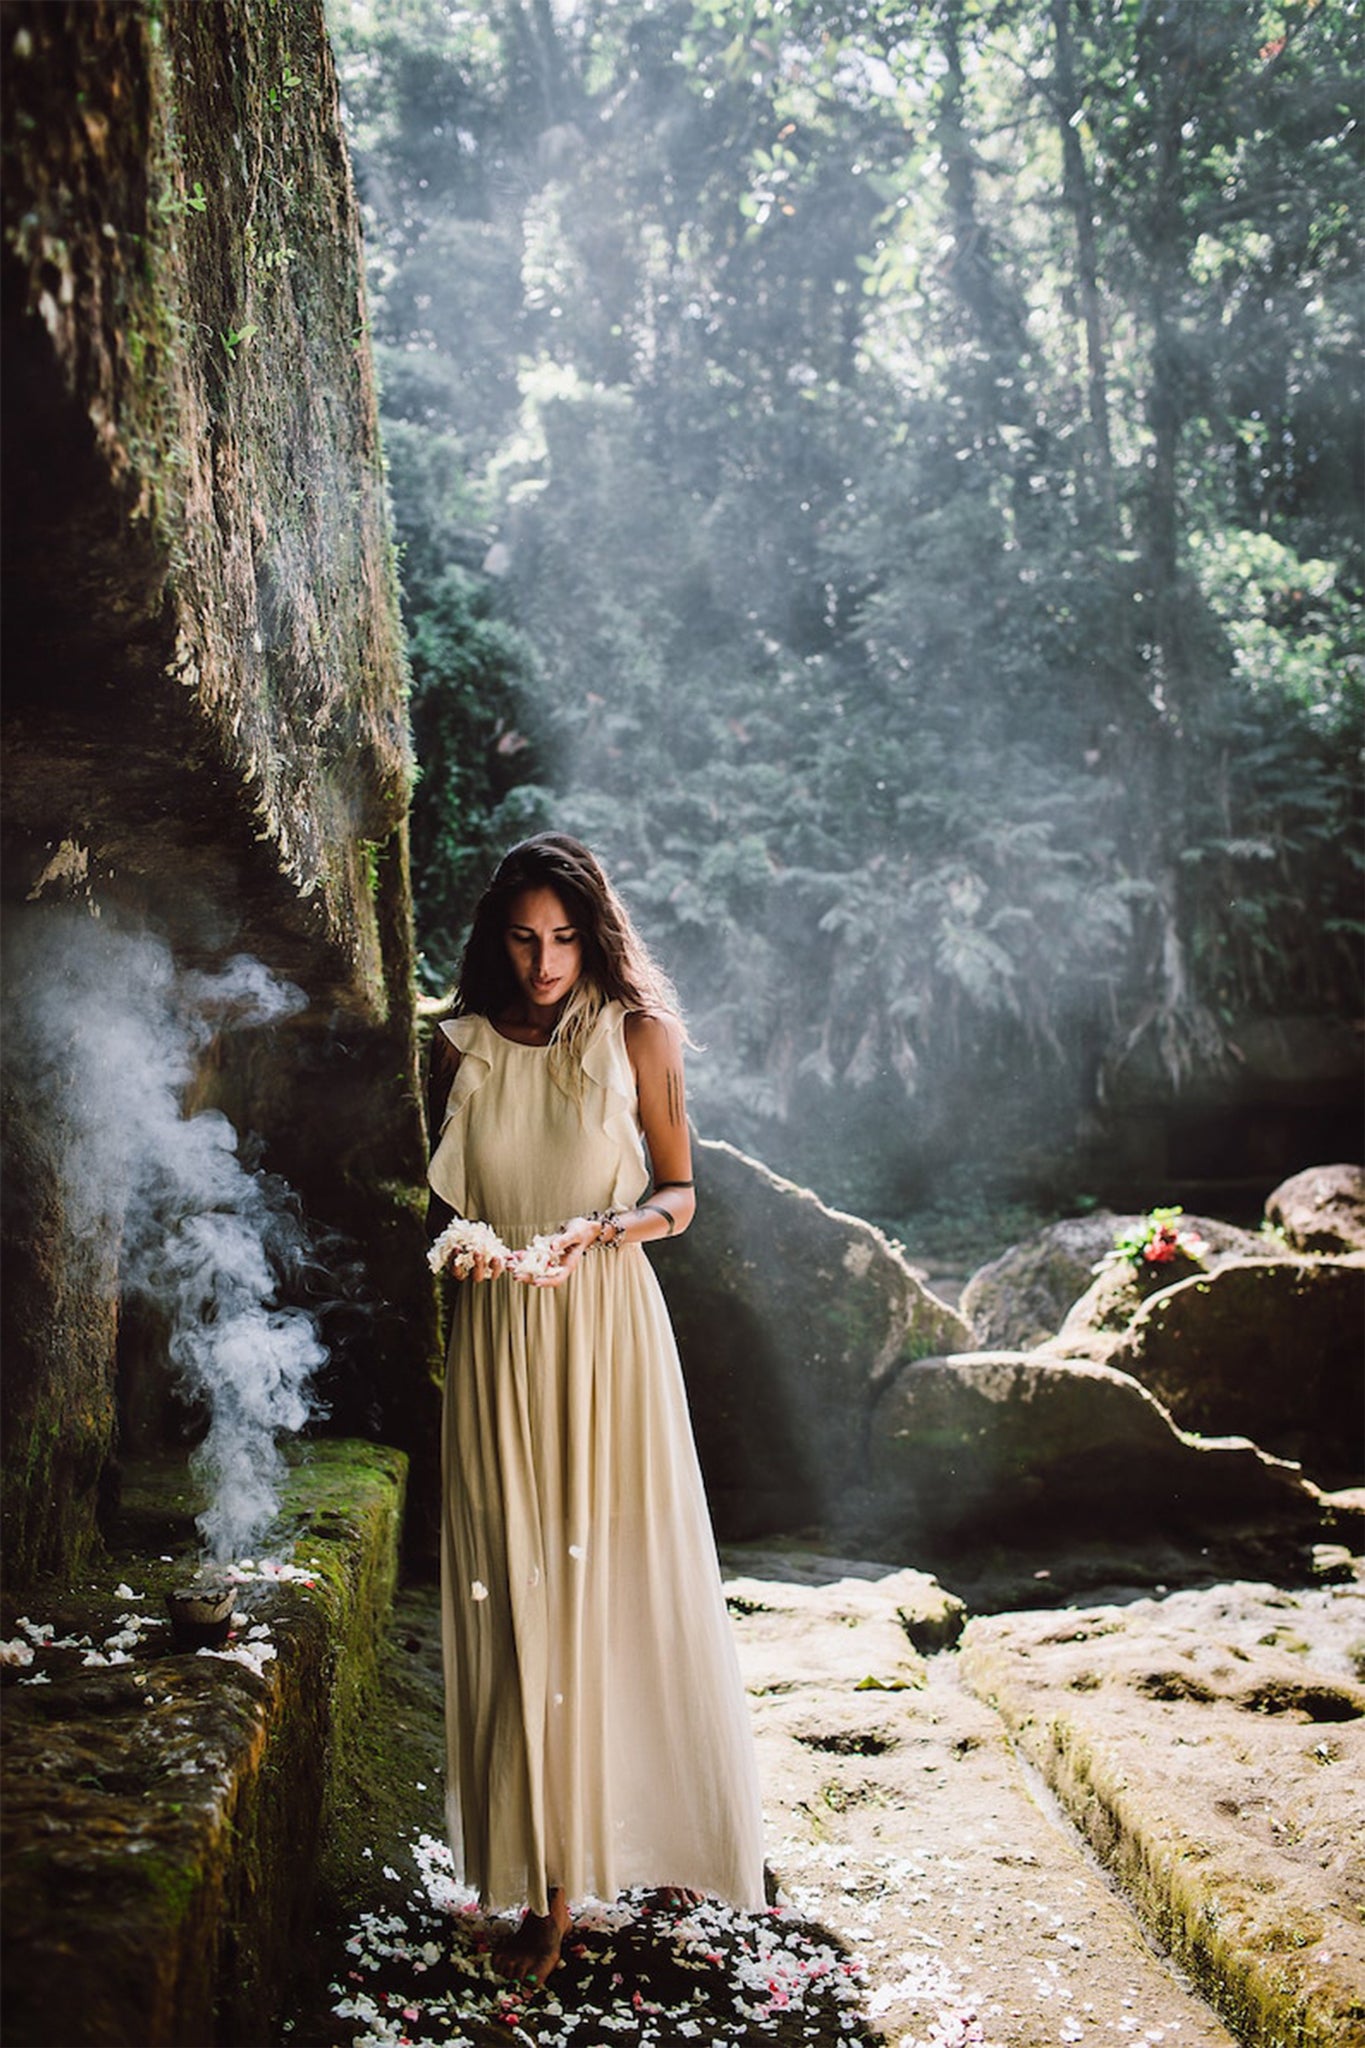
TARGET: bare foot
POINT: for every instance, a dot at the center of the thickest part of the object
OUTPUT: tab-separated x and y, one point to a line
678	1898
533	1951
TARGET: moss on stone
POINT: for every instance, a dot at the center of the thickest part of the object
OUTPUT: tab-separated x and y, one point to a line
1191	1811
58	1324
1268	1349
162	1817
1214	1933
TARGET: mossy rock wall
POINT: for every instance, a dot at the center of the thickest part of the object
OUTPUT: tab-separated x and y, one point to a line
185	319
205	722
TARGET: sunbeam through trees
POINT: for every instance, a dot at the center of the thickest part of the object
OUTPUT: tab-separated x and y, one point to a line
890	476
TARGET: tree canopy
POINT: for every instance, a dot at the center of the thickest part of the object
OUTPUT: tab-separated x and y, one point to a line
890	477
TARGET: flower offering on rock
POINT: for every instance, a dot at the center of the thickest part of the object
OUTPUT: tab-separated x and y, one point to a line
1159	1241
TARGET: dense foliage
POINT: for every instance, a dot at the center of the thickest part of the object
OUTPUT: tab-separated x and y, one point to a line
889	476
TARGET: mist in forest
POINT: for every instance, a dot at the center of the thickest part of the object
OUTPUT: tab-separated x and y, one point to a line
892	483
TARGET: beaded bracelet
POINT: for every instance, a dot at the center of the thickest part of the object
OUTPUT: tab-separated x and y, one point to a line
611	1230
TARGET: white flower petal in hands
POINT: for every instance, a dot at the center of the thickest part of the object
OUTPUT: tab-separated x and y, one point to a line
461	1243
536	1259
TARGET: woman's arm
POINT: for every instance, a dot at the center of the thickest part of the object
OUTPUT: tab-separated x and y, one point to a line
442	1063
655	1045
443	1060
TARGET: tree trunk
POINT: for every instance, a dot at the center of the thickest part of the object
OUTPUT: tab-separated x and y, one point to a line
1077	195
996	321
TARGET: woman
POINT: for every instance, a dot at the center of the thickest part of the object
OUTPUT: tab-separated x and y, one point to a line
597	1734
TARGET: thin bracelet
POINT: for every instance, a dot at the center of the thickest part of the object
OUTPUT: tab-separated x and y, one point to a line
611	1229
654	1210
673	1184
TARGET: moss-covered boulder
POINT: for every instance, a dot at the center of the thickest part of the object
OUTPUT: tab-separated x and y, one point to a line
1269	1349
1321	1209
1022	1298
1096	1325
790	1317
998	1446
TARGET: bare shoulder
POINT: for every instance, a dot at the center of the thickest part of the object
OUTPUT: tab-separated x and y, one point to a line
654	1043
654	1039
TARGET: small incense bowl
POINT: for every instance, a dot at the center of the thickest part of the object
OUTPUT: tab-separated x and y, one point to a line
201	1614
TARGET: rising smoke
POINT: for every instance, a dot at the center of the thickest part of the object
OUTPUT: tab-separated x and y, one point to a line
101	1034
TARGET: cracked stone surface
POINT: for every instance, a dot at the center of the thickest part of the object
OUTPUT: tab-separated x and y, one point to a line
905	1821
1212	1743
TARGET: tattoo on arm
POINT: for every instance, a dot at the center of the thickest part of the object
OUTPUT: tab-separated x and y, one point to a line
675	1097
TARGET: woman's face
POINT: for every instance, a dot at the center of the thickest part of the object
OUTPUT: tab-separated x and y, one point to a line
544	946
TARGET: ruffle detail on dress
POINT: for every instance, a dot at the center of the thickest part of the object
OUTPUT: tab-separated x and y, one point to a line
446	1172
606	1062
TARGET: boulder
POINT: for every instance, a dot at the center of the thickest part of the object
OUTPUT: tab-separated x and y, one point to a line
1096	1326
1269	1348
1321	1209
790	1318
1021	1299
985	1446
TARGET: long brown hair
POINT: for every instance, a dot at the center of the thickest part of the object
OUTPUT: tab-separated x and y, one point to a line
617	965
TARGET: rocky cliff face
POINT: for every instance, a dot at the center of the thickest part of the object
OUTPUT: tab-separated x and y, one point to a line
205	727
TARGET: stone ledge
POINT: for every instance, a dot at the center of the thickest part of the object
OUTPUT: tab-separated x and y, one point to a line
1211	1746
163	1809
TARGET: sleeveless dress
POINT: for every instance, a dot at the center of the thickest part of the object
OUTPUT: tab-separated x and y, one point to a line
597	1734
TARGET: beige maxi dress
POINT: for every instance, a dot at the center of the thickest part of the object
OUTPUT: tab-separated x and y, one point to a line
596	1729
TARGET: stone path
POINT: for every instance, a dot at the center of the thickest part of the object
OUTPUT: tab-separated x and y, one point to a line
929	1896
905	1821
1213	1739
